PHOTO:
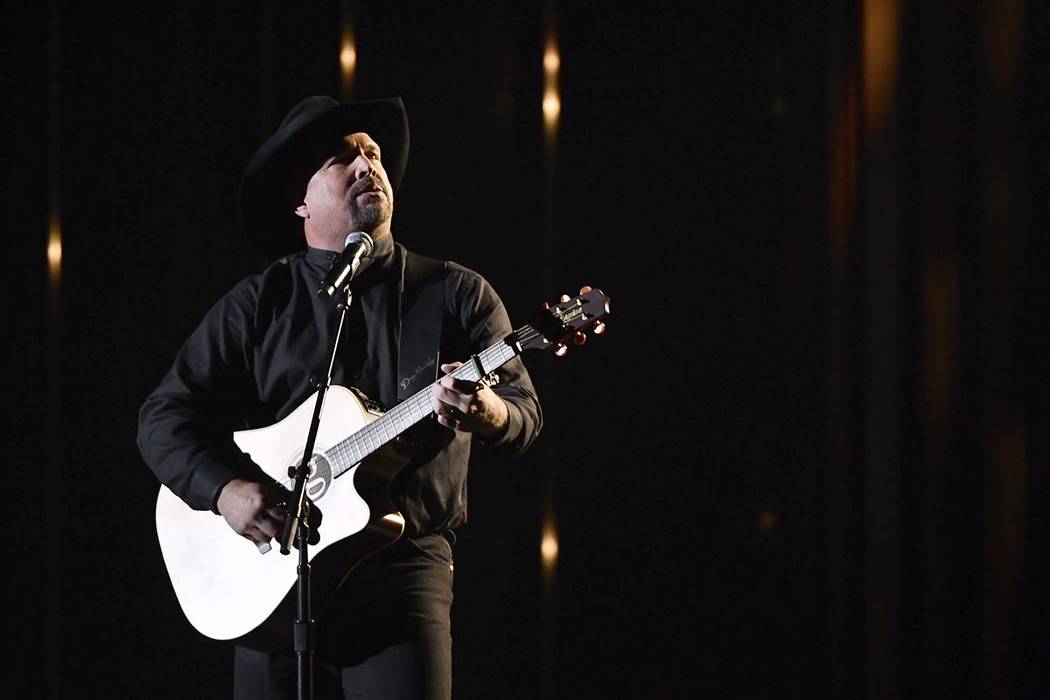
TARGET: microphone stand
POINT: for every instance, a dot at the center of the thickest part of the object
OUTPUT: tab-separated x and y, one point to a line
296	524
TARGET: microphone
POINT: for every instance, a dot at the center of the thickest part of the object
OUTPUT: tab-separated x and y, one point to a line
357	245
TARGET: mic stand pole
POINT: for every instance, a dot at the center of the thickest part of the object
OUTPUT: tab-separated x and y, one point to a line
297	525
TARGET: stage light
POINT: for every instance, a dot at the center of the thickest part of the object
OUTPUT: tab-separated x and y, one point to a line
54	247
551	98
551	60
347	54
549	547
551	109
348	58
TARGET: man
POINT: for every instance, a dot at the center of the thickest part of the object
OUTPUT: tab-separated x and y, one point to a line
328	170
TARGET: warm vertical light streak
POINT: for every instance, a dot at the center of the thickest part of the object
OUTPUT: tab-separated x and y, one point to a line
51	496
881	389
551	110
549	280
348	64
348	58
1005	410
881	54
549	547
54	247
347	54
551	97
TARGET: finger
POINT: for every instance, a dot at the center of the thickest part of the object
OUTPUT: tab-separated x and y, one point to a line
458	396
461	385
270	525
585	288
256	535
445	399
265	526
466	387
453	399
448	417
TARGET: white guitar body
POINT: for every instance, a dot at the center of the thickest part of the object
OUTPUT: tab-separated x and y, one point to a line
226	587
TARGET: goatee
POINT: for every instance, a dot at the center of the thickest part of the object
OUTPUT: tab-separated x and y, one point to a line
368	217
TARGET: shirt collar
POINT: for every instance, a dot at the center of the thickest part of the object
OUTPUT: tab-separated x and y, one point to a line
373	268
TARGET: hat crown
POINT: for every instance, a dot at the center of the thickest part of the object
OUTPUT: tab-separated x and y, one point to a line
310	105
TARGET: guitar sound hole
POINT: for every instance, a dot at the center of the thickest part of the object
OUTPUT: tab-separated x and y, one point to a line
320	478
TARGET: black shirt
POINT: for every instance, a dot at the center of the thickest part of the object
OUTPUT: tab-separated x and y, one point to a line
256	355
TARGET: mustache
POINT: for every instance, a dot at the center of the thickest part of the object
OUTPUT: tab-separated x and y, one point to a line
366	184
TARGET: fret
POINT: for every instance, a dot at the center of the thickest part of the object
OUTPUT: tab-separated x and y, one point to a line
352	450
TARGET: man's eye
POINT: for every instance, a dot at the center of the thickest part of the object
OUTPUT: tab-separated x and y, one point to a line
373	156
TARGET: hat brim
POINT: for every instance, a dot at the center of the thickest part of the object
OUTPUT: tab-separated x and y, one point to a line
270	189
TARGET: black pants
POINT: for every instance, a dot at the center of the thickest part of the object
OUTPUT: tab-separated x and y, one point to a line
386	635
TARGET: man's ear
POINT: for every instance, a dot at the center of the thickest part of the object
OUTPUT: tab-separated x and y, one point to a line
302	212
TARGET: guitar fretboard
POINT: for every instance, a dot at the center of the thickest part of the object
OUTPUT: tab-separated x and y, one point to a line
344	455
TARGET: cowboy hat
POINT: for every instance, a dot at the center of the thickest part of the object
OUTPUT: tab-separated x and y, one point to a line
275	180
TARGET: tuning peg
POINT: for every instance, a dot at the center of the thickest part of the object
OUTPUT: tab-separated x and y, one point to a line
565	298
599	327
560	349
579	337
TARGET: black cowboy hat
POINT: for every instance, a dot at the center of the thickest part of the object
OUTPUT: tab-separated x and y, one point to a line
275	180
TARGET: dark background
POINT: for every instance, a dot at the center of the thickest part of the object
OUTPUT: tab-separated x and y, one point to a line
809	457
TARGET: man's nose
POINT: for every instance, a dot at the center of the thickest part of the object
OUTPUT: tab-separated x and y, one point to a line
363	167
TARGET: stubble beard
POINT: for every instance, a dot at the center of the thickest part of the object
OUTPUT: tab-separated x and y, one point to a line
369	217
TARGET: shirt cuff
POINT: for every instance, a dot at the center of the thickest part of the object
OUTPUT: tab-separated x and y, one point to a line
207	483
510	431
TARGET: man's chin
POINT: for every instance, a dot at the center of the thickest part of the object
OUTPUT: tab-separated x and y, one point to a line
369	218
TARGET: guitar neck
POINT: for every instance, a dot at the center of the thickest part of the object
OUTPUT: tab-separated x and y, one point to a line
344	455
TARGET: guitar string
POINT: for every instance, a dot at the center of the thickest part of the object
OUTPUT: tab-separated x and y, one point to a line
376	434
417	407
379	432
390	425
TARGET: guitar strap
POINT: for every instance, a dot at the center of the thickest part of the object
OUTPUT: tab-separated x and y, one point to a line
421	310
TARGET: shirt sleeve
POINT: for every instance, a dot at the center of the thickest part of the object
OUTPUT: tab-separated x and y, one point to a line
186	424
482	315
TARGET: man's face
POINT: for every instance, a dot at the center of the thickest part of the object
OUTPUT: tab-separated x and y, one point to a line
349	192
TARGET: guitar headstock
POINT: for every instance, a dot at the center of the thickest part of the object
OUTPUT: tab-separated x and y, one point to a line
570	318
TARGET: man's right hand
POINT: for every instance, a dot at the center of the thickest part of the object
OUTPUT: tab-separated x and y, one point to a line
251	509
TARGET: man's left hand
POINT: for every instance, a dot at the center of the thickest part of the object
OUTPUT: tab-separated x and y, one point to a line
471	407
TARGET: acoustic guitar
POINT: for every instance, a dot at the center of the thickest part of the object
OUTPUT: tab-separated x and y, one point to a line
230	589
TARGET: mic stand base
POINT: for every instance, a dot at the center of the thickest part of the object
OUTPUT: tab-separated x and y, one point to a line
303	627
